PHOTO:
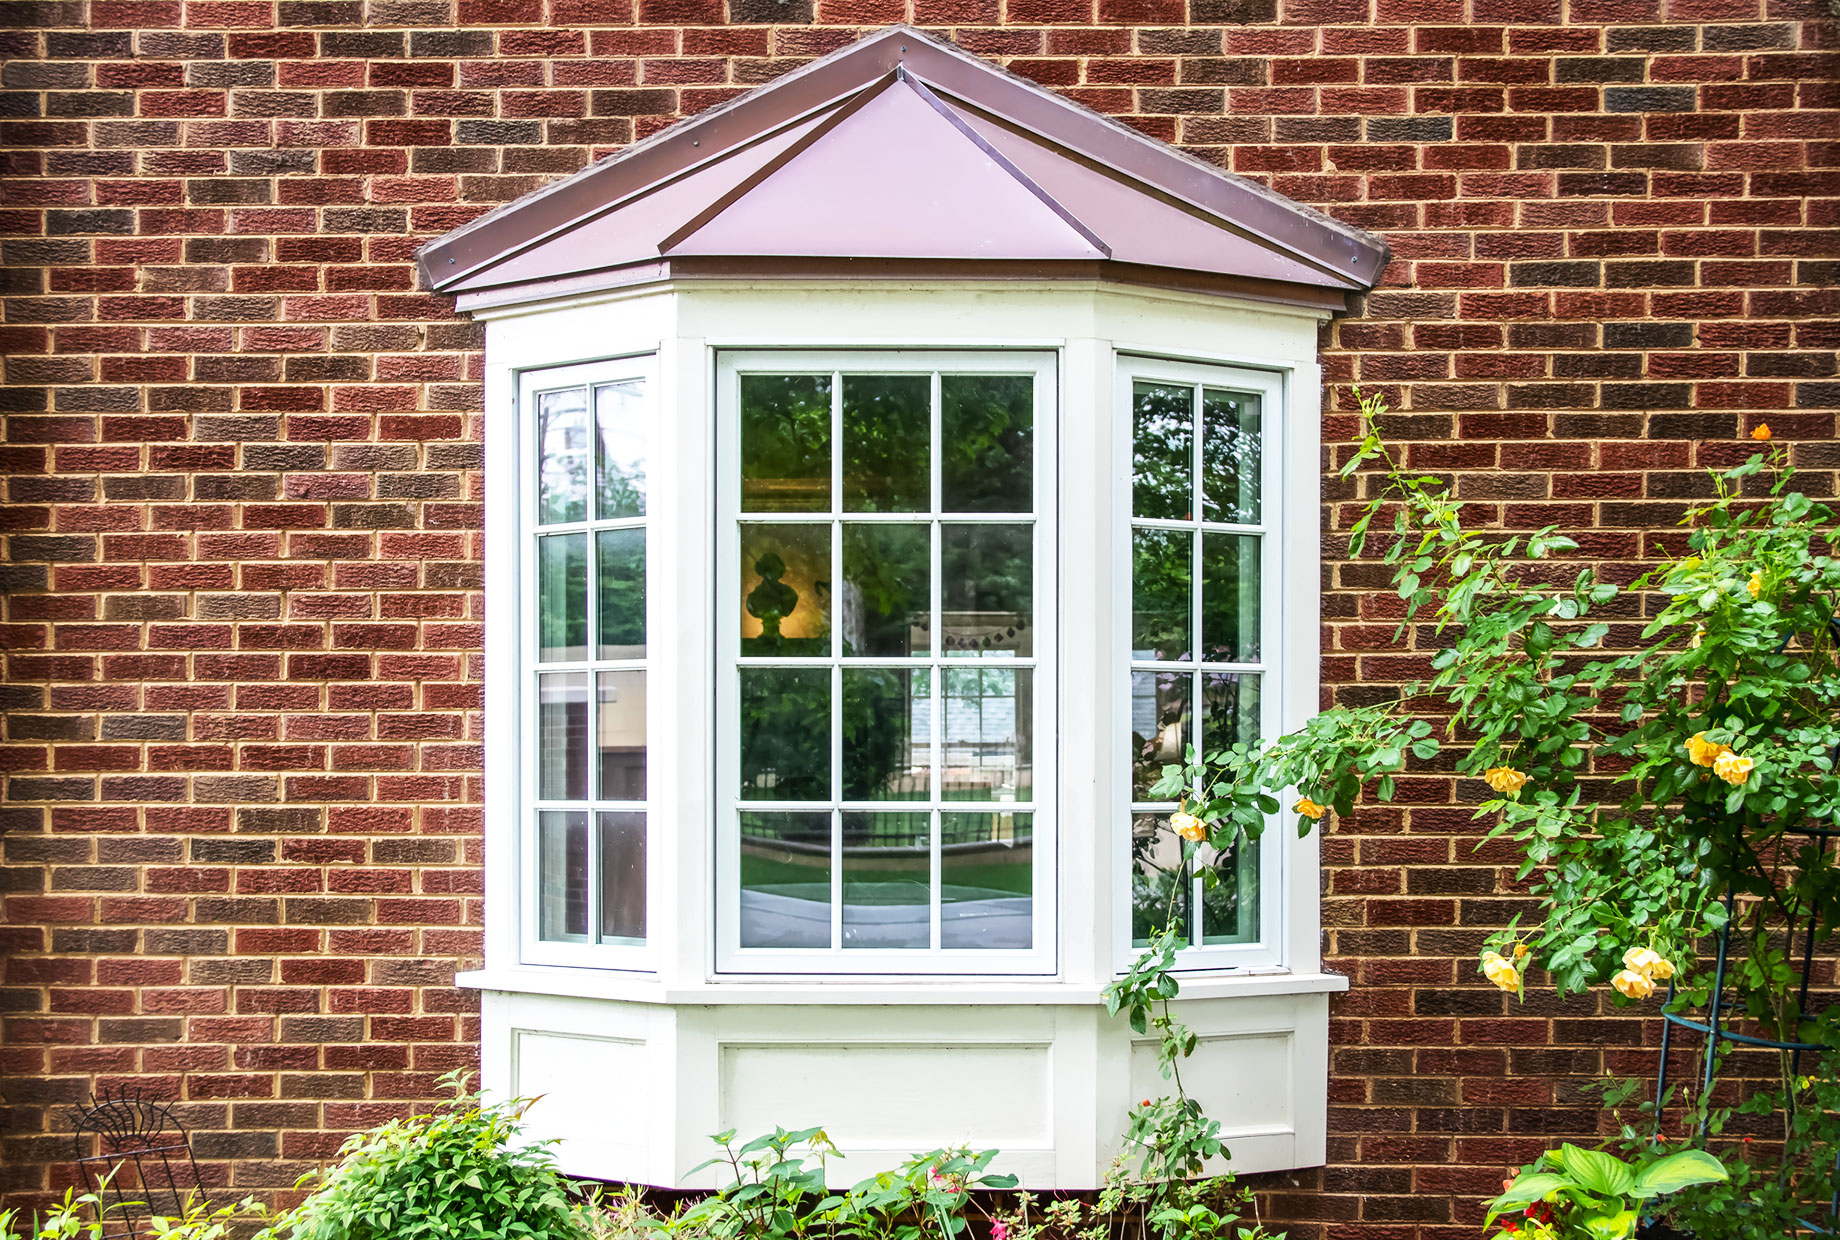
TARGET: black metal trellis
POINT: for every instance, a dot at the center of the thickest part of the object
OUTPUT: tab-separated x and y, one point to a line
1715	1030
142	1165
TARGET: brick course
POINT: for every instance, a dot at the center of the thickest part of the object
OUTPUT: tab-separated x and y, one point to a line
242	566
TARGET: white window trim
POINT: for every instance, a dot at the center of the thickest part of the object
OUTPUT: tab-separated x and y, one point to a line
533	949
1042	958
1279	481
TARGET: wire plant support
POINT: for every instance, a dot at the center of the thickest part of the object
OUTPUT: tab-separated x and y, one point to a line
1716	1026
141	1166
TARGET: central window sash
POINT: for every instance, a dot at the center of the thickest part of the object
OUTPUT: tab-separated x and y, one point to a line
886	699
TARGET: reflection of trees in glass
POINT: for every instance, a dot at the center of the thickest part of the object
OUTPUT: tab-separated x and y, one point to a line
619	475
785	443
987	448
786	734
887	424
1156	870
886	571
562	450
878	750
1229	709
620	583
562	597
1229	456
988	587
1162	451
1162	574
1229	598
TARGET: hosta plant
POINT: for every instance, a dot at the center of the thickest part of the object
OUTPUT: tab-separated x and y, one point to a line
1572	1193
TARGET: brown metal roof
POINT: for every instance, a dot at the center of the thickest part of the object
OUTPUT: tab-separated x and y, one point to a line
901	154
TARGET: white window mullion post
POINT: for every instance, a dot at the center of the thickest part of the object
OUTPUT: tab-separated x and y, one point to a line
836	660
936	621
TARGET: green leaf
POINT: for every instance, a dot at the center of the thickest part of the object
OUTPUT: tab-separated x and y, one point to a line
1595	1171
1678	1171
1528	1187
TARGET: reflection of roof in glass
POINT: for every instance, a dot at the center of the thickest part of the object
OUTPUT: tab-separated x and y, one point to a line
923	160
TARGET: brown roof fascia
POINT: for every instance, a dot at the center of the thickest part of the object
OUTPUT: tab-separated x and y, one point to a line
1353	256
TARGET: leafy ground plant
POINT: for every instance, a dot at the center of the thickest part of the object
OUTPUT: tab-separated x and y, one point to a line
458	1173
1572	1193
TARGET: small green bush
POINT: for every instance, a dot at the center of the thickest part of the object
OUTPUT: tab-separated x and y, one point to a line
456	1174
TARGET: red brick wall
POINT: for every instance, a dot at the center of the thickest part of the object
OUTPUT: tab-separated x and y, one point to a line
242	575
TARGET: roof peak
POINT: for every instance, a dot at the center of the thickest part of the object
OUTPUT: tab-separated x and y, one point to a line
751	156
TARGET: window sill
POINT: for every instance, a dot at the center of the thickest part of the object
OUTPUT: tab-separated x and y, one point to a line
630	988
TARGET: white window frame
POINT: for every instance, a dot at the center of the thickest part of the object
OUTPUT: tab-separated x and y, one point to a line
533	949
1042	957
1270	950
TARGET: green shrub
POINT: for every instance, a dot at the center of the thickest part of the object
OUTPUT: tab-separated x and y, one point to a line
459	1173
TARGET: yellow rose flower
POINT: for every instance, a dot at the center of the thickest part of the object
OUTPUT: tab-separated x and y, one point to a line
1188	826
1649	963
1755	584
1521	949
1702	751
1504	779
1310	809
1732	768
1632	985
1762	433
1500	970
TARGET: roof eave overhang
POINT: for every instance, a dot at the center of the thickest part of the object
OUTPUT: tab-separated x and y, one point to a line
691	270
1347	256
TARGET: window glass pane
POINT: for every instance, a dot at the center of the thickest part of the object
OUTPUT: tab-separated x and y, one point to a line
886	607
562	598
1230	908
785	589
1230	598
786	734
887	746
1161	889
1229	456
987	448
1162	451
1162	726
620	578
1229	709
1162	577
562	736
619	449
785	880
988	742
887	880
887	424
562	874
620	735
986	893
987	589
622	876
562	456
785	443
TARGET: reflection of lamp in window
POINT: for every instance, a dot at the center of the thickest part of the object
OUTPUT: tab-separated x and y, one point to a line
772	600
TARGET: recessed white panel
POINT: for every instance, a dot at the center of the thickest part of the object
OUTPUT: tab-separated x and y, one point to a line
892	1096
596	1095
1246	1081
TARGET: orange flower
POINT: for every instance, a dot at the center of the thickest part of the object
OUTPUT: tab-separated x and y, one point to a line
1310	809
1755	584
1762	433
